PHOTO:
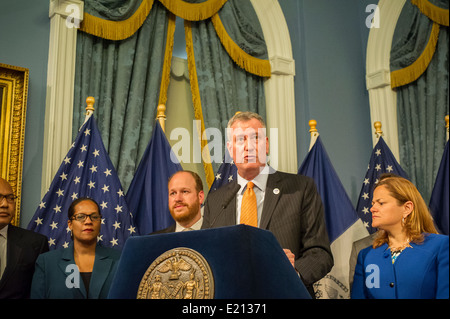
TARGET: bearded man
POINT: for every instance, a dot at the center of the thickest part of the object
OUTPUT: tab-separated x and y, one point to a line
185	200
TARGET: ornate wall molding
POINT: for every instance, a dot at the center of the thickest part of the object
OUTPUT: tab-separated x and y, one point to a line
383	100
279	88
65	16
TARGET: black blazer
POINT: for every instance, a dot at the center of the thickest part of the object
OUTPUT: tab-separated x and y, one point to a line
23	248
170	229
292	211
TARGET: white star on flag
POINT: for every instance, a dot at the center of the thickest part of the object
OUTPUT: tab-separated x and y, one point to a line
227	169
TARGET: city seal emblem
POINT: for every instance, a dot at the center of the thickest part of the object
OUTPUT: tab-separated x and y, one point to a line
180	273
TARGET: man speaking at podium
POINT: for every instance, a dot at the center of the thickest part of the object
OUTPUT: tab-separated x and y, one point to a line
288	205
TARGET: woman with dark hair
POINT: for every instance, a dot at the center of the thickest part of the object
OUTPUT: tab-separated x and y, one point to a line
84	269
407	259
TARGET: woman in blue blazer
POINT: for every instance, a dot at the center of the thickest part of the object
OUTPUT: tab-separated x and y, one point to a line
84	269
408	259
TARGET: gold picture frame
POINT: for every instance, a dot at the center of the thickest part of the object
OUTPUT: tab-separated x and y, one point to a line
13	102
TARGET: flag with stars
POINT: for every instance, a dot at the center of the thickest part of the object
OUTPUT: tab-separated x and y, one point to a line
148	195
381	161
226	173
439	198
343	224
86	171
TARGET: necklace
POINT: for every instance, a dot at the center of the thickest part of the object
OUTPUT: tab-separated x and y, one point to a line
399	249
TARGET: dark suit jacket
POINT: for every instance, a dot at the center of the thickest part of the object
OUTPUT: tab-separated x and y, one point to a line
170	229
23	248
292	211
49	280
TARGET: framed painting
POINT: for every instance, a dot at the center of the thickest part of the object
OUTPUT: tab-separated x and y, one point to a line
13	102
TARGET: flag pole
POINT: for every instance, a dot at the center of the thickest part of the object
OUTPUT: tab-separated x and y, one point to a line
161	116
90	100
378	131
314	132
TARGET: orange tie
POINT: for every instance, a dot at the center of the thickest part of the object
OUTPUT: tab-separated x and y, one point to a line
248	208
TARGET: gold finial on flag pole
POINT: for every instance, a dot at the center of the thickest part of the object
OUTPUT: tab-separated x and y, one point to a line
446	125
161	116
378	131
313	131
312	125
90	100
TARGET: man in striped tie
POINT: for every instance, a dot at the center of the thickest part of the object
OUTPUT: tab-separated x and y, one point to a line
288	205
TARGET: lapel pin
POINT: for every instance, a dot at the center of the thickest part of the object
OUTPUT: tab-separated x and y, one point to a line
276	191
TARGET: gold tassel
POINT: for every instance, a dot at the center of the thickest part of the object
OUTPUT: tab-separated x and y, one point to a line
165	80
415	70
193	11
435	13
247	62
116	30
196	101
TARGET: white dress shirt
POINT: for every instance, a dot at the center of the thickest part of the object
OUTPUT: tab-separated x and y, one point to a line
196	226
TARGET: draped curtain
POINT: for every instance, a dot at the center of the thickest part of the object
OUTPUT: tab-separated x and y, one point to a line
123	60
419	73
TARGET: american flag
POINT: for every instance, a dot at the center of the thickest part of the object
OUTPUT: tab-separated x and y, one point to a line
226	173
381	161
86	171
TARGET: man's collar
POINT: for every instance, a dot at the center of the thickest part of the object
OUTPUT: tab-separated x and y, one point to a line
4	231
260	180
197	225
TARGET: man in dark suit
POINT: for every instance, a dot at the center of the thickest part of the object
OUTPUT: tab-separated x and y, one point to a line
19	249
185	200
288	205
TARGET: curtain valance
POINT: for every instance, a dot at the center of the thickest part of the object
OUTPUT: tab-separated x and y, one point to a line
415	39
112	21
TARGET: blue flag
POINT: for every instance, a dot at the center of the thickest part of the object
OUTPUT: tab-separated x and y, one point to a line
381	161
439	197
339	211
226	173
343	224
86	171
148	196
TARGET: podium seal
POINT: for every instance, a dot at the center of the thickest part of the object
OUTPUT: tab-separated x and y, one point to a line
179	273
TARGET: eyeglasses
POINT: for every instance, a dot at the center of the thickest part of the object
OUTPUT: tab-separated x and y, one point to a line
10	198
82	217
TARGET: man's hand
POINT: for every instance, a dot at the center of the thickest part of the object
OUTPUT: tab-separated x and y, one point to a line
290	256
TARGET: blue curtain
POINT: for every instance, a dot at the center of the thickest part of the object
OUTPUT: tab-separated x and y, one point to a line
226	88
124	77
423	102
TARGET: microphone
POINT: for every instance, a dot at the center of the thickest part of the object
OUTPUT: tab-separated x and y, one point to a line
227	201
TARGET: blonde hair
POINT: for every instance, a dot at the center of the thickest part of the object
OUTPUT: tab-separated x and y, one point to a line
245	116
419	221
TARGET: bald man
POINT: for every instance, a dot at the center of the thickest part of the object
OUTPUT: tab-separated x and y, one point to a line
19	249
